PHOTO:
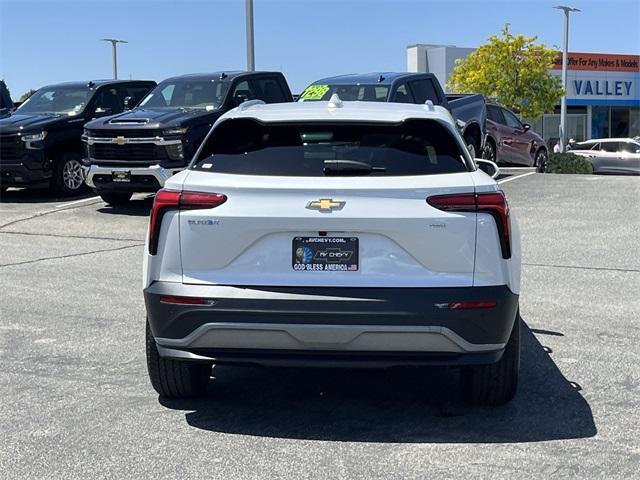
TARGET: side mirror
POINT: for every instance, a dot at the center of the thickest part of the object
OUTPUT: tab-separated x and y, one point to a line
240	99
526	126
488	167
129	103
102	112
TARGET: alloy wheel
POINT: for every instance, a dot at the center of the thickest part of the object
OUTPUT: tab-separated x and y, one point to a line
72	174
489	153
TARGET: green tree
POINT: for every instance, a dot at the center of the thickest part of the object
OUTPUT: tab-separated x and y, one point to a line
512	69
26	95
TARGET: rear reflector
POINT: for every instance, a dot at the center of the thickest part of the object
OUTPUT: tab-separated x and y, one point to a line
468	305
184	300
493	203
167	200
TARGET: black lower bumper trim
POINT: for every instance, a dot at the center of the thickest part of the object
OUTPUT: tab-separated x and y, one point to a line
21	176
344	359
334	306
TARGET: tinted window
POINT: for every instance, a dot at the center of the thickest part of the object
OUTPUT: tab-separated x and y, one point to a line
269	90
629	147
586	146
244	146
186	93
424	90
610	146
511	120
134	91
107	101
494	113
243	92
363	93
403	95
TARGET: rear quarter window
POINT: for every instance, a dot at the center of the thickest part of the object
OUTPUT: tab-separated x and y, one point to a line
247	147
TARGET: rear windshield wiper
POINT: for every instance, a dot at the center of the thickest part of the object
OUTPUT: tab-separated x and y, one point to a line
349	167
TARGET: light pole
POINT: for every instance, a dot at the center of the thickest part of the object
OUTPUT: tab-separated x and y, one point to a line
115	54
565	55
251	59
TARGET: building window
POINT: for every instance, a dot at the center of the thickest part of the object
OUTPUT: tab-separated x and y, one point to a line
634	122
600	122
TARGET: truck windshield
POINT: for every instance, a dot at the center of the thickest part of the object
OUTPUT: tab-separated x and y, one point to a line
363	93
197	94
415	147
60	100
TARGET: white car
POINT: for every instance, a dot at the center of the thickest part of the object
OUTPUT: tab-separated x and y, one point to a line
611	155
333	234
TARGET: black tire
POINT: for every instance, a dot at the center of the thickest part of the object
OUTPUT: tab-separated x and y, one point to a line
541	160
497	383
489	151
472	145
175	378
67	175
115	198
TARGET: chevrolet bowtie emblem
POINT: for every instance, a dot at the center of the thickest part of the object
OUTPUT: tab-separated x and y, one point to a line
120	140
325	205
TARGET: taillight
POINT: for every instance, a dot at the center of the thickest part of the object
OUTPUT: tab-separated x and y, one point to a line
493	203
496	204
165	200
172	200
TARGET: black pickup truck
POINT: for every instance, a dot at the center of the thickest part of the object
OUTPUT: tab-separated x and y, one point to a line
6	104
139	150
40	141
468	110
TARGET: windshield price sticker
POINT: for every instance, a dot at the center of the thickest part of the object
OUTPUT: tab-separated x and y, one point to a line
315	92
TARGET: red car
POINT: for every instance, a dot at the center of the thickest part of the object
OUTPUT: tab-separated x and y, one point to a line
511	142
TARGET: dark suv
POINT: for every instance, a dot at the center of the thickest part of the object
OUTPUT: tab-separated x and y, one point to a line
40	141
511	142
139	150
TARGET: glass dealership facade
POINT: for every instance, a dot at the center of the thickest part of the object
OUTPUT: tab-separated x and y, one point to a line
603	90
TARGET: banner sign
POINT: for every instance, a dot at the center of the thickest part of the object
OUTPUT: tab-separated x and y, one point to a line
603	62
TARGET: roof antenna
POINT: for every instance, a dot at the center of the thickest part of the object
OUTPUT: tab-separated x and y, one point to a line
90	84
380	78
335	102
223	75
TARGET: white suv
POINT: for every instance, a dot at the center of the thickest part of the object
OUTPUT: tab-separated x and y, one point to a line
333	234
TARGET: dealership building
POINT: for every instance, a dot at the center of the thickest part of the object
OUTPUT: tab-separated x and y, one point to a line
603	90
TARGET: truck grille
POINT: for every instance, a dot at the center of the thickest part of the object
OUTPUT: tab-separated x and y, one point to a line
131	152
11	148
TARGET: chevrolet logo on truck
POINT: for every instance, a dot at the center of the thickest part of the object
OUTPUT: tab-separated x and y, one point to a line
120	140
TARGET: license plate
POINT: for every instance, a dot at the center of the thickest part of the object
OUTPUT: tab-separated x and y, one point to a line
121	177
325	254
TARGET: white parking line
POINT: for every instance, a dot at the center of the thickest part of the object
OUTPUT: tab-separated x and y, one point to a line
508	179
76	202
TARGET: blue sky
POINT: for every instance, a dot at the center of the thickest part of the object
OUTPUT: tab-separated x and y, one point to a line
44	42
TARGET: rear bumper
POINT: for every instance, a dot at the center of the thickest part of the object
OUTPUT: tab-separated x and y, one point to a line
330	326
143	179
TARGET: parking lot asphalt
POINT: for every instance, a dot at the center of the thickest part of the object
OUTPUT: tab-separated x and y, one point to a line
77	403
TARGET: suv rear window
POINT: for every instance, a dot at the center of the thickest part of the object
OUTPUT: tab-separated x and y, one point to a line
247	147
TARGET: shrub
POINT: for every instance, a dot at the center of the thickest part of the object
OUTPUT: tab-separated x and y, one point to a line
568	163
